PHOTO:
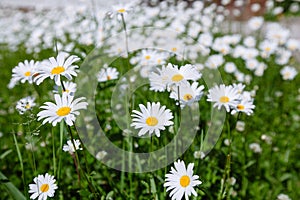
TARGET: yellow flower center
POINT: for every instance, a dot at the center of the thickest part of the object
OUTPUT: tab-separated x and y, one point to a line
185	181
27	106
27	73
177	78
44	188
224	99
147	57
159	61
57	70
287	74
151	121
174	49
268	49
122	10
240	107
108	77
63	111
187	97
67	91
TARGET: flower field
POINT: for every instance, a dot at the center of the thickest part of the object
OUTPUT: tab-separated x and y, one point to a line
150	100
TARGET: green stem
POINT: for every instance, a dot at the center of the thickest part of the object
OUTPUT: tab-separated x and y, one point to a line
20	159
53	153
126	35
76	155
61	138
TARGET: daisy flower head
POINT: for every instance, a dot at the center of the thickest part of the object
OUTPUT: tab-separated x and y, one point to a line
181	75
222	95
159	80
255	23
181	181
25	71
25	104
243	106
55	68
283	197
151	119
149	57
65	108
214	61
240	87
120	10
44	186
288	73
188	93
106	74
69	88
69	147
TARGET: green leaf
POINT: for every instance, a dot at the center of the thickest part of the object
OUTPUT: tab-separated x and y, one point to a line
11	189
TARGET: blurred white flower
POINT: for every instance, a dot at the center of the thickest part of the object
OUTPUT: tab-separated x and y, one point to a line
240	126
283	197
230	67
100	155
69	147
255	23
25	104
255	147
288	73
107	74
214	61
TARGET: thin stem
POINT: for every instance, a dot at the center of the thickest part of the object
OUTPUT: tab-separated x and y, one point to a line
20	159
75	153
226	175
53	153
61	138
126	35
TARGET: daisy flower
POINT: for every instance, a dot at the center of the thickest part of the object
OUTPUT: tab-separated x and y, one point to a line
152	118
69	88
65	108
149	57
230	67
244	106
158	81
181	181
255	147
120	9
180	75
25	71
70	148
222	95
283	197
107	74
186	72
240	87
25	104
288	73
43	187
214	61
188	93
255	23
55	68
